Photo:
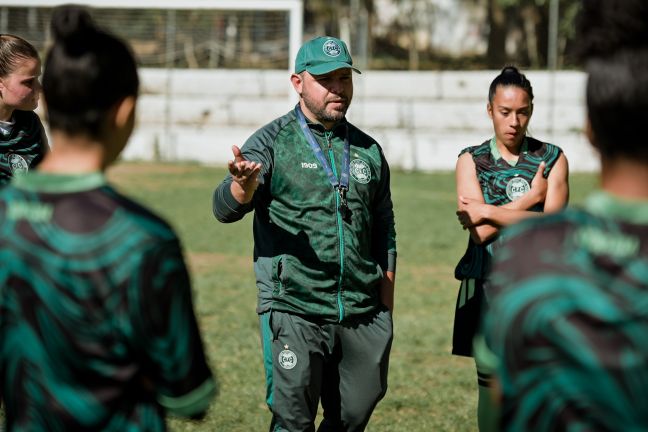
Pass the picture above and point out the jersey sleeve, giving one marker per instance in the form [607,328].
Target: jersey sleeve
[466,150]
[474,149]
[170,336]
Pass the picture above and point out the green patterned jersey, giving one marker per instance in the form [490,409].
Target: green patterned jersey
[97,329]
[22,144]
[568,319]
[502,182]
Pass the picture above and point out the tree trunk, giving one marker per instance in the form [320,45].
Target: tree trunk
[530,20]
[413,52]
[247,44]
[189,51]
[496,52]
[413,45]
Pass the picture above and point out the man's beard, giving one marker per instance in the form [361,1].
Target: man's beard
[322,115]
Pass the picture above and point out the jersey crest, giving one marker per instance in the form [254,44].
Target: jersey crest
[516,187]
[360,171]
[17,164]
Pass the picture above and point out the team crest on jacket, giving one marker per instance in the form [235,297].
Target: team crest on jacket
[517,187]
[331,48]
[360,171]
[287,359]
[18,164]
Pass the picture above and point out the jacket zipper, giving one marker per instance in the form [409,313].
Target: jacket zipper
[340,227]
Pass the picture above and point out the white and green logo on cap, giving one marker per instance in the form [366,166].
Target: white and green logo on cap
[322,55]
[331,48]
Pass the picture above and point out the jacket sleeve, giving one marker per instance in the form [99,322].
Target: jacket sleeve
[384,231]
[257,148]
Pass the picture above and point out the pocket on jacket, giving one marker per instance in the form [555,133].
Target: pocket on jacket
[294,278]
[363,274]
[278,285]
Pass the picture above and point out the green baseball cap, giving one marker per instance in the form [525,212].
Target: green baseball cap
[322,55]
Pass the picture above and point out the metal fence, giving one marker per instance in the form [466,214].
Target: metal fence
[197,38]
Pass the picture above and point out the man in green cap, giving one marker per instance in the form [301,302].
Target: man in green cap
[324,249]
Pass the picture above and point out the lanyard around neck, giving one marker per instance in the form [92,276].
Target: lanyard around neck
[343,182]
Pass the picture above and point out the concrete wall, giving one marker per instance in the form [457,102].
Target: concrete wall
[422,119]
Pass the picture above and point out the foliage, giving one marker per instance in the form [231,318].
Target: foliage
[531,18]
[516,31]
[513,31]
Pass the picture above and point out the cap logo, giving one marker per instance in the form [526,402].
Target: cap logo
[331,48]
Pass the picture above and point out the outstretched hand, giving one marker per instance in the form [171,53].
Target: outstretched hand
[244,174]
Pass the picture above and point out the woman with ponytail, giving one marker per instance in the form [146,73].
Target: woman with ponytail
[22,139]
[565,331]
[97,328]
[509,177]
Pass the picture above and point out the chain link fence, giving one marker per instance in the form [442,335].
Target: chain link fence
[181,39]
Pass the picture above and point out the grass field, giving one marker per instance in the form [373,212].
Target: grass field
[429,390]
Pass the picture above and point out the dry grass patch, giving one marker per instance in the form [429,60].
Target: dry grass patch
[205,262]
[137,169]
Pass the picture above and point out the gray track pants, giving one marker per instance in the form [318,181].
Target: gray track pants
[344,364]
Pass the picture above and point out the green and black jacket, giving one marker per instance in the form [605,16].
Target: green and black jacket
[308,259]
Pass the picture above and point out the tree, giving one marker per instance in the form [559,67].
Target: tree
[529,19]
[496,52]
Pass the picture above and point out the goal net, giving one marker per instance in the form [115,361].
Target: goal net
[212,71]
[208,34]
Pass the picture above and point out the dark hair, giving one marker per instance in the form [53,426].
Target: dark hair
[87,71]
[612,40]
[13,49]
[510,76]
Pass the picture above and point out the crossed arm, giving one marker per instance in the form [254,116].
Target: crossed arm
[485,220]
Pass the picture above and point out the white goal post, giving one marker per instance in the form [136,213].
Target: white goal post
[293,7]
[211,71]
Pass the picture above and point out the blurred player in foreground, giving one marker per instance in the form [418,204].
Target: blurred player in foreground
[568,319]
[97,329]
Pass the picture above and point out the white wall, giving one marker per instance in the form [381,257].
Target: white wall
[422,119]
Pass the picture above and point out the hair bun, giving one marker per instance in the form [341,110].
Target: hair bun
[71,24]
[510,70]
